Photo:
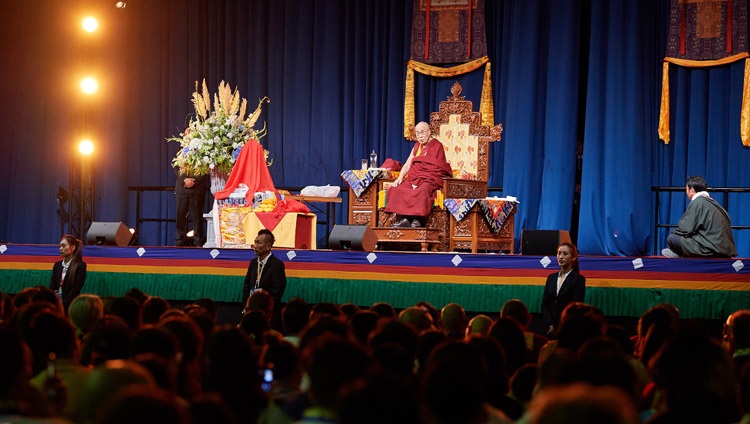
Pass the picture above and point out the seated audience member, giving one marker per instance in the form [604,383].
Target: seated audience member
[153,308]
[191,342]
[205,320]
[662,312]
[695,375]
[281,357]
[362,323]
[209,305]
[583,404]
[156,349]
[704,230]
[155,340]
[331,362]
[580,331]
[379,399]
[136,294]
[143,404]
[383,309]
[128,309]
[260,300]
[20,401]
[295,316]
[417,317]
[84,312]
[107,380]
[24,296]
[348,309]
[397,332]
[325,308]
[109,339]
[46,295]
[453,386]
[210,408]
[232,370]
[601,362]
[255,325]
[413,192]
[496,379]
[453,318]
[523,384]
[479,326]
[737,337]
[427,342]
[509,334]
[9,309]
[53,338]
[518,311]
[433,311]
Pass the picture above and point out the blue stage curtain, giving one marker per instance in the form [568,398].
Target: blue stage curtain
[537,54]
[334,71]
[622,108]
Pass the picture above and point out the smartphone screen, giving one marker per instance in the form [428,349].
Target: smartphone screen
[267,379]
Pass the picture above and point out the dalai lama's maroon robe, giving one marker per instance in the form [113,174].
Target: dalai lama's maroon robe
[426,173]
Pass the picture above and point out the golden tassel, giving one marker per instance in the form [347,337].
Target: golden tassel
[409,114]
[663,128]
[745,113]
[486,107]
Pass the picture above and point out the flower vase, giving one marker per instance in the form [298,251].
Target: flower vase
[218,180]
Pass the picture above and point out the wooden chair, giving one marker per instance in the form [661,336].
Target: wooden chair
[466,142]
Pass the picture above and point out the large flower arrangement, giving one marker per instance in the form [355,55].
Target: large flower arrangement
[213,138]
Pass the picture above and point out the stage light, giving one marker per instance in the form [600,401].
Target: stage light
[86,147]
[90,24]
[120,5]
[89,85]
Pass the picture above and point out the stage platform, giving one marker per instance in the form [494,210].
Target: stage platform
[620,286]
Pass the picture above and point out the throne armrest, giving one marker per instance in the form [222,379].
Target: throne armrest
[465,189]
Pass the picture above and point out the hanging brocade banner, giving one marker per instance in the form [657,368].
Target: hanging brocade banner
[705,33]
[448,31]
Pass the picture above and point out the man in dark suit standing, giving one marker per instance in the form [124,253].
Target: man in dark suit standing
[266,272]
[190,196]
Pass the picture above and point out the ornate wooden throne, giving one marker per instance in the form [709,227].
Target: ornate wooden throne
[466,141]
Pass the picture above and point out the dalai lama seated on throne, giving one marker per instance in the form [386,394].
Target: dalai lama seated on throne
[412,194]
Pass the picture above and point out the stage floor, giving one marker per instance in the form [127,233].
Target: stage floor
[620,286]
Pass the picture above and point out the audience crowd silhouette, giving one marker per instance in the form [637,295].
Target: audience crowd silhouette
[138,359]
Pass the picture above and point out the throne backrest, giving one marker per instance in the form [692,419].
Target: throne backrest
[461,148]
[464,137]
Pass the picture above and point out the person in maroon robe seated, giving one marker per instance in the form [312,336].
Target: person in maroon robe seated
[413,192]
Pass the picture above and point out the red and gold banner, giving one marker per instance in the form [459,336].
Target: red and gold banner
[448,31]
[705,33]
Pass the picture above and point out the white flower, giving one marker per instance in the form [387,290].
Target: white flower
[195,143]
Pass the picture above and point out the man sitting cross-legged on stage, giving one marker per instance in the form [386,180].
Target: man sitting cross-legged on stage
[704,230]
[413,192]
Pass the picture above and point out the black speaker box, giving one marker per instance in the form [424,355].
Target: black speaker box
[108,233]
[542,242]
[352,237]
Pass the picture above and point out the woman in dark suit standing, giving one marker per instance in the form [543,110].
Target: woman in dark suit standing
[69,274]
[563,287]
